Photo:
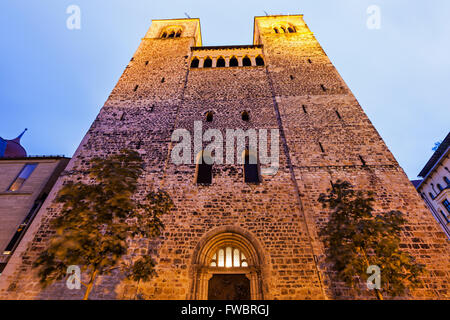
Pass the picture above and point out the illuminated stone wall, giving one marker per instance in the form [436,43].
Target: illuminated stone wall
[297,91]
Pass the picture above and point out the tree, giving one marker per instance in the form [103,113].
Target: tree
[98,217]
[356,238]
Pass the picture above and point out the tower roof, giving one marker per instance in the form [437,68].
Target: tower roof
[12,148]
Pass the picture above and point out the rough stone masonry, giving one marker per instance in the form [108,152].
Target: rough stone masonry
[273,225]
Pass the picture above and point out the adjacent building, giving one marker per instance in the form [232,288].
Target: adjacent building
[25,183]
[435,185]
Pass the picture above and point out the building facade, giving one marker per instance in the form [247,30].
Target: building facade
[25,182]
[435,185]
[237,232]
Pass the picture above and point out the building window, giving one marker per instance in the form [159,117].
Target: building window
[23,176]
[259,61]
[207,63]
[276,30]
[291,30]
[164,35]
[447,181]
[171,34]
[440,187]
[245,116]
[251,170]
[431,195]
[234,62]
[246,62]
[220,63]
[445,217]
[209,116]
[204,169]
[194,63]
[178,34]
[446,204]
[229,257]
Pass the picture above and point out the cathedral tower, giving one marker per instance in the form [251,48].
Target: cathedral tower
[238,231]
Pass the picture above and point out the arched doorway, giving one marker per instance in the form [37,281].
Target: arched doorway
[227,266]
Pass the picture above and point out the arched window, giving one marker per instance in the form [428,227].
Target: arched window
[440,187]
[447,181]
[245,116]
[194,63]
[259,61]
[246,62]
[209,116]
[234,62]
[251,170]
[291,30]
[207,63]
[164,35]
[171,34]
[283,29]
[204,169]
[431,195]
[229,257]
[220,62]
[178,34]
[276,30]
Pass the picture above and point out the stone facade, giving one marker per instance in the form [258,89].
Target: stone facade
[324,136]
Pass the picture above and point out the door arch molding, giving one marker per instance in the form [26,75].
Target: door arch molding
[235,237]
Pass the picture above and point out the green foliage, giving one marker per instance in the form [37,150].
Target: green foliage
[355,238]
[98,217]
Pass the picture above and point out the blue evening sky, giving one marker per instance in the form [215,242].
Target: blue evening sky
[54,80]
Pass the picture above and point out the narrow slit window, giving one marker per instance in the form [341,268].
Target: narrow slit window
[146,63]
[245,116]
[164,35]
[323,87]
[338,114]
[178,34]
[304,109]
[276,30]
[136,87]
[163,80]
[321,147]
[309,60]
[209,116]
[24,174]
[292,77]
[362,160]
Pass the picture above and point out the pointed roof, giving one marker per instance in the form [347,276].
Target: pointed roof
[12,148]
